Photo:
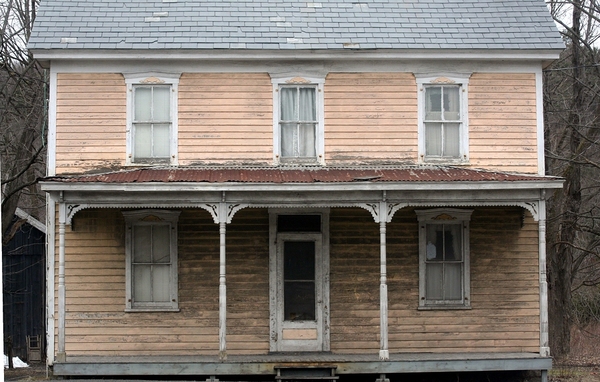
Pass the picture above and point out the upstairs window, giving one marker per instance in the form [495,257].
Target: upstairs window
[444,258]
[152,120]
[443,130]
[298,121]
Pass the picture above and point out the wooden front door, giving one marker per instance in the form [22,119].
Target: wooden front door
[299,289]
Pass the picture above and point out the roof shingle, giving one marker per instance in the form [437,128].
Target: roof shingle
[287,24]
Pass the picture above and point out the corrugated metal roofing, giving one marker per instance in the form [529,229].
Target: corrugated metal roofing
[287,24]
[306,175]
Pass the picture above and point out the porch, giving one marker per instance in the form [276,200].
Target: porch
[266,365]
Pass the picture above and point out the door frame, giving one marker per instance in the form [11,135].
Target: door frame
[277,325]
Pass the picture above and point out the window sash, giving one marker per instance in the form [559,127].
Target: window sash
[298,121]
[152,122]
[444,263]
[442,121]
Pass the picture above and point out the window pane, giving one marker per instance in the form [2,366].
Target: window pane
[299,280]
[452,281]
[161,141]
[161,244]
[143,141]
[299,301]
[308,107]
[299,223]
[162,104]
[160,283]
[433,103]
[142,291]
[288,133]
[299,260]
[142,104]
[451,103]
[142,252]
[288,104]
[433,281]
[433,139]
[435,242]
[451,140]
[452,242]
[306,140]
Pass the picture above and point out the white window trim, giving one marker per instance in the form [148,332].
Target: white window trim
[444,79]
[156,216]
[444,216]
[317,82]
[153,79]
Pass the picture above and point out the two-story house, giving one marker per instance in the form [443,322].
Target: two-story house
[287,189]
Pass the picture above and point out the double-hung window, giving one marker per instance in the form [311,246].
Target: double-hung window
[443,130]
[444,258]
[151,252]
[152,120]
[298,120]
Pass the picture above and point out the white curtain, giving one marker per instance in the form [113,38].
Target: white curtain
[298,121]
[444,264]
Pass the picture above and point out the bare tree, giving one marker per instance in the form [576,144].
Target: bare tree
[22,112]
[572,107]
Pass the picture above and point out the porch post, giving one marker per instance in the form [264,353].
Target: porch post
[384,353]
[62,218]
[222,283]
[544,346]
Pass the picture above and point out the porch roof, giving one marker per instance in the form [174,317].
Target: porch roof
[301,175]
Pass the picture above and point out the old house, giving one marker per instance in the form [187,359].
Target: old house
[296,189]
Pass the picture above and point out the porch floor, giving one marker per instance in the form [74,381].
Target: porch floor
[267,363]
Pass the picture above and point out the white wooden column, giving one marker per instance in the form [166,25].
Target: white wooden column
[544,346]
[62,218]
[222,216]
[384,353]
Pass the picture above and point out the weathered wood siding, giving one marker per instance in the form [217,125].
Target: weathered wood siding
[225,118]
[504,287]
[91,115]
[503,121]
[370,117]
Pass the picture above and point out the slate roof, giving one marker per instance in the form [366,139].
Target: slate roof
[294,25]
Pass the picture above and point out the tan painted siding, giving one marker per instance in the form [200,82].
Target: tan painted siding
[90,122]
[503,121]
[370,117]
[504,289]
[354,286]
[225,118]
[96,323]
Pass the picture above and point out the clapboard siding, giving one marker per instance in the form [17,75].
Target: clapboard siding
[354,281]
[503,121]
[225,118]
[370,117]
[91,114]
[504,289]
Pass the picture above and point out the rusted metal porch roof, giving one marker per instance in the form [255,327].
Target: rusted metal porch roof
[265,175]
